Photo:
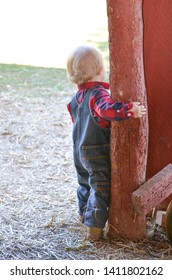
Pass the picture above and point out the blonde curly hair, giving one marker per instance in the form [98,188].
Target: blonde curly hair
[83,64]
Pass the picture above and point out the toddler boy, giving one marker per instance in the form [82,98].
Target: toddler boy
[92,110]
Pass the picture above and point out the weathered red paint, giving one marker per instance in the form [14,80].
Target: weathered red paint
[158,73]
[153,191]
[129,138]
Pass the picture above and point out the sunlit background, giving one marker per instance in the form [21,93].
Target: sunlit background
[42,32]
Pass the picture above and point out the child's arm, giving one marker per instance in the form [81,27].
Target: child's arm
[105,107]
[70,111]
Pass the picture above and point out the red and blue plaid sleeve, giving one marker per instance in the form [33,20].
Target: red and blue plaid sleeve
[104,109]
[70,111]
[103,106]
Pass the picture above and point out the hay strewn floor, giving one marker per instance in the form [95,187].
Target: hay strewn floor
[38,185]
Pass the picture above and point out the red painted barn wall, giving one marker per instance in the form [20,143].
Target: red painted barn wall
[157,16]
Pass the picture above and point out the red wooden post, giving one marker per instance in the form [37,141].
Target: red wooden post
[129,138]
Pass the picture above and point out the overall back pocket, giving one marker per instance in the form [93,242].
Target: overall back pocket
[96,157]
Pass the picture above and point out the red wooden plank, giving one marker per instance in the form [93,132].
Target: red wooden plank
[153,192]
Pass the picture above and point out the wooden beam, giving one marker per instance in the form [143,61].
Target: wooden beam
[153,192]
[129,139]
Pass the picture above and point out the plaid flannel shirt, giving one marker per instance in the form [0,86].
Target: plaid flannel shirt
[104,109]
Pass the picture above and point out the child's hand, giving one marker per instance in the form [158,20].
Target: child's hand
[138,110]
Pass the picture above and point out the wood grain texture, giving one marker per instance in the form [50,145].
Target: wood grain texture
[128,138]
[153,191]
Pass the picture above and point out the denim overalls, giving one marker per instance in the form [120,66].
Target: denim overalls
[92,161]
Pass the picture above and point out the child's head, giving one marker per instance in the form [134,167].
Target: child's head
[84,64]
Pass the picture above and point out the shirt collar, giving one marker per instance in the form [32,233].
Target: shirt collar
[91,84]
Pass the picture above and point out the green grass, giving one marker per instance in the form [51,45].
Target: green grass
[26,78]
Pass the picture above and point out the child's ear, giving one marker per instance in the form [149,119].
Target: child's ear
[99,70]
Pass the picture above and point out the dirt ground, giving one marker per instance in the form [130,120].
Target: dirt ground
[38,184]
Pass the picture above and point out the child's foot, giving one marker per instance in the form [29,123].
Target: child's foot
[94,234]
